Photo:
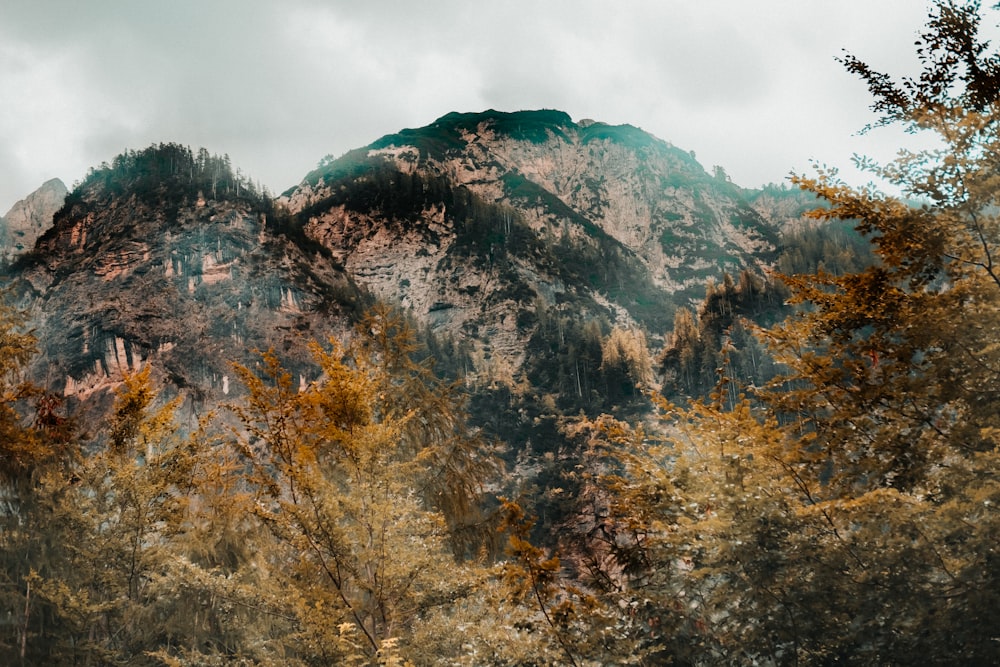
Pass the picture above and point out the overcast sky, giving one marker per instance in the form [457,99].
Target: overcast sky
[752,86]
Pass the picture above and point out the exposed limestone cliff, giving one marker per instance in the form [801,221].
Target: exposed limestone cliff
[29,218]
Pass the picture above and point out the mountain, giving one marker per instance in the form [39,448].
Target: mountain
[519,243]
[29,218]
[143,264]
[480,221]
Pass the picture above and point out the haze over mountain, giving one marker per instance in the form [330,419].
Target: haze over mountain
[753,87]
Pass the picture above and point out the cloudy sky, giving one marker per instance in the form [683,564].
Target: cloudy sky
[751,86]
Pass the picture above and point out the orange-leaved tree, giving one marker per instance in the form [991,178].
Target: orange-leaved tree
[849,511]
[372,487]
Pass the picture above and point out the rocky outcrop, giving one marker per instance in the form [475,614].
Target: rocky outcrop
[121,281]
[30,218]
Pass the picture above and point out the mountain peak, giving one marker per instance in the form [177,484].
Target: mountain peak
[480,221]
[451,131]
[29,218]
[519,124]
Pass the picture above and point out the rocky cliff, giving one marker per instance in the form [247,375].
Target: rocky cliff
[477,221]
[150,268]
[29,218]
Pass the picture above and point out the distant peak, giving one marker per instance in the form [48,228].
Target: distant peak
[21,226]
[51,189]
[54,184]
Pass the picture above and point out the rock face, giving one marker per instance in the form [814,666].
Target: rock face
[479,220]
[29,218]
[161,275]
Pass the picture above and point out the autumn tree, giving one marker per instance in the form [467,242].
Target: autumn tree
[676,529]
[36,447]
[371,486]
[625,363]
[848,513]
[896,368]
[116,516]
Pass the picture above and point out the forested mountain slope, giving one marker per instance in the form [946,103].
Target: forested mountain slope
[519,243]
[167,258]
[479,220]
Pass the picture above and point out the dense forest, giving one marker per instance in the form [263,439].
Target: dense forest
[816,485]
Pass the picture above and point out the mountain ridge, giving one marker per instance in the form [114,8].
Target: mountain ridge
[505,236]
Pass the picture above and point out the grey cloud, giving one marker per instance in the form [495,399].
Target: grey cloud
[278,85]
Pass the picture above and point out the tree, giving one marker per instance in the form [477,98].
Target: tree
[681,360]
[29,445]
[152,551]
[907,346]
[852,515]
[36,447]
[625,362]
[111,518]
[678,530]
[371,486]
